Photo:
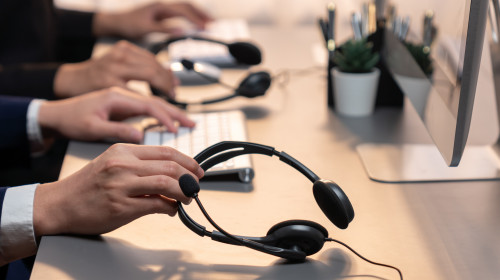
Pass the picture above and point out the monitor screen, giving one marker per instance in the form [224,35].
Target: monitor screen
[436,65]
[434,57]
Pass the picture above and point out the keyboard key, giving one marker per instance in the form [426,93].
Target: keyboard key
[210,129]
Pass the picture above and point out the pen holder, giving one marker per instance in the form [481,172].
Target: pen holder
[388,92]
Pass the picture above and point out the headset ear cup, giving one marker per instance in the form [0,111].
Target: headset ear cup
[333,202]
[305,236]
[245,53]
[254,85]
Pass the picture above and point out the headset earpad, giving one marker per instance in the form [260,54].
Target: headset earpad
[305,236]
[333,202]
[245,53]
[254,85]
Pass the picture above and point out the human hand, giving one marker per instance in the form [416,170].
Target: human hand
[96,115]
[122,184]
[122,63]
[138,22]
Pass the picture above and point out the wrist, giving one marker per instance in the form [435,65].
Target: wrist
[68,79]
[106,24]
[48,117]
[48,210]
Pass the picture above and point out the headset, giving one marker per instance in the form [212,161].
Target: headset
[293,240]
[243,52]
[254,85]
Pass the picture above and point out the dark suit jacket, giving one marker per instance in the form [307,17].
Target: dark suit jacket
[35,38]
[14,146]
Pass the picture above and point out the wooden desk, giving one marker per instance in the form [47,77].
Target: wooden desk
[429,231]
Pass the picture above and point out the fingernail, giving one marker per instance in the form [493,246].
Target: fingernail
[136,135]
[200,172]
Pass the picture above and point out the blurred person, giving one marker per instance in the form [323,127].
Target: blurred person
[45,51]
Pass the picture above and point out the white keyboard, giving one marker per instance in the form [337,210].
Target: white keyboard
[210,128]
[226,30]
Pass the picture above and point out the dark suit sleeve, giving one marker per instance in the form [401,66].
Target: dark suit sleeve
[75,24]
[28,63]
[76,40]
[14,145]
[33,80]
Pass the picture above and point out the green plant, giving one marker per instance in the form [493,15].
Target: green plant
[356,56]
[421,54]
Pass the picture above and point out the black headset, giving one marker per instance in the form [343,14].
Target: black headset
[243,52]
[254,85]
[292,239]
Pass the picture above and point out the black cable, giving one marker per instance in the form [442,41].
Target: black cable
[282,77]
[214,224]
[365,259]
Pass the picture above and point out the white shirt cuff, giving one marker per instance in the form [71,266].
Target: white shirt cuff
[33,127]
[17,236]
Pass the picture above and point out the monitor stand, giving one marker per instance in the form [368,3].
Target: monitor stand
[412,163]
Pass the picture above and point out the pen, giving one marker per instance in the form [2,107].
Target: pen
[396,26]
[380,8]
[356,26]
[429,16]
[324,29]
[331,29]
[364,19]
[495,14]
[405,25]
[493,23]
[391,15]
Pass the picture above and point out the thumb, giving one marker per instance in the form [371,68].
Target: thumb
[118,131]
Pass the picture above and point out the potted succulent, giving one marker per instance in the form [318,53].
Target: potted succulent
[417,84]
[421,54]
[355,78]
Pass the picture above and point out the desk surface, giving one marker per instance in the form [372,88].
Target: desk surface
[429,231]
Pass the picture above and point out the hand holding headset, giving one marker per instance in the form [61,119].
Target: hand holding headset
[293,239]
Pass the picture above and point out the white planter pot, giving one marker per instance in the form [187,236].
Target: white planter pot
[355,93]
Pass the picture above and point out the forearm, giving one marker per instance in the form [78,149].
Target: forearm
[105,25]
[72,79]
[49,117]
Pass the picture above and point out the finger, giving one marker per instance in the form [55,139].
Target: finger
[144,152]
[134,63]
[157,185]
[116,130]
[148,70]
[175,113]
[172,168]
[186,10]
[153,204]
[126,103]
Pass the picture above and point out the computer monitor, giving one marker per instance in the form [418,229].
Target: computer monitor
[442,91]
